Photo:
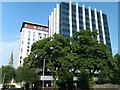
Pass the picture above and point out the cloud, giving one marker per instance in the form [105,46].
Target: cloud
[7,48]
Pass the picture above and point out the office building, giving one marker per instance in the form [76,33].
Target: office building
[68,18]
[30,33]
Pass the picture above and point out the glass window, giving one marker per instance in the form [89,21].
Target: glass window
[20,57]
[22,42]
[27,50]
[40,37]
[28,46]
[28,42]
[21,50]
[28,39]
[80,9]
[86,11]
[44,34]
[28,35]
[33,36]
[29,32]
[39,33]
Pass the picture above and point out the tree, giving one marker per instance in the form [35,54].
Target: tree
[8,73]
[65,56]
[26,74]
[53,50]
[116,71]
[93,56]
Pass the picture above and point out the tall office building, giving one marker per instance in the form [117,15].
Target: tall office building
[30,33]
[68,18]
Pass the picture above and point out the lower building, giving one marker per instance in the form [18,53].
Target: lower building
[30,33]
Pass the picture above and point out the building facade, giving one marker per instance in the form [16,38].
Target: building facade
[30,33]
[68,18]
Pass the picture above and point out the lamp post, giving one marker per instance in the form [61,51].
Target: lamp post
[43,73]
[4,80]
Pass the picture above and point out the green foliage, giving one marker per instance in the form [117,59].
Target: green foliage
[116,71]
[103,77]
[25,74]
[8,73]
[93,56]
[84,79]
[64,56]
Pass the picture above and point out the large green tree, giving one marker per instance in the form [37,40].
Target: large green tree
[116,71]
[8,73]
[66,57]
[26,74]
[52,50]
[93,56]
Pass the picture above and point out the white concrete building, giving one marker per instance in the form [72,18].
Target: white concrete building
[30,33]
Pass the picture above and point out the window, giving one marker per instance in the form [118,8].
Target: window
[21,50]
[20,61]
[33,36]
[80,9]
[39,33]
[29,35]
[28,46]
[22,42]
[20,57]
[27,50]
[86,11]
[44,34]
[40,37]
[28,32]
[34,33]
[28,42]
[28,39]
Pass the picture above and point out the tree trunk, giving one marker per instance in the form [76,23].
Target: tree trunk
[55,87]
[30,86]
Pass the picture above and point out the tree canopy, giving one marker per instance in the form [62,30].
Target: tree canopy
[26,74]
[8,73]
[66,57]
[116,71]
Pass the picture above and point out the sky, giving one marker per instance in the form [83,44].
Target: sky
[14,13]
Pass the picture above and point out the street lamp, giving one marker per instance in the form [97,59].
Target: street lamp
[43,73]
[4,80]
